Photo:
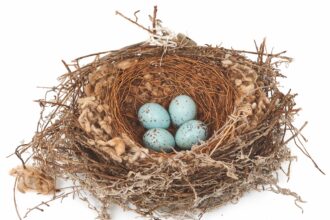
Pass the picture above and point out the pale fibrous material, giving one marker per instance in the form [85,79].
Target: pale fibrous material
[31,179]
[92,135]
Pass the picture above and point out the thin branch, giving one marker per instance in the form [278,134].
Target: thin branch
[296,134]
[154,20]
[44,102]
[134,22]
[302,147]
[37,207]
[19,154]
[277,55]
[66,66]
[15,202]
[92,54]
[261,52]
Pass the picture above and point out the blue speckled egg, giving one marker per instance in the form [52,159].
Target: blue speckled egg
[182,109]
[153,115]
[190,133]
[159,139]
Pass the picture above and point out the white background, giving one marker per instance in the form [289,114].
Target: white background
[36,35]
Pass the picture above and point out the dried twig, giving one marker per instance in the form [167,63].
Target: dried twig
[134,22]
[154,20]
[46,203]
[15,202]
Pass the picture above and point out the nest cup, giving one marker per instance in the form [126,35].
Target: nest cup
[93,136]
[157,78]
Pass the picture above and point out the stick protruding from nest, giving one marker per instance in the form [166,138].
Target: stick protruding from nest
[159,35]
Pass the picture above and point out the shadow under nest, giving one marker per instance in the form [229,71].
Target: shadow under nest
[90,132]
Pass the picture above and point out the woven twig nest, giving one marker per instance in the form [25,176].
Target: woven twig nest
[89,130]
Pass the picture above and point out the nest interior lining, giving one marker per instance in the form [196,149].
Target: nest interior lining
[155,79]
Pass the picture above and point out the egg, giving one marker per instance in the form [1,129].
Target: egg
[153,115]
[190,133]
[159,139]
[182,109]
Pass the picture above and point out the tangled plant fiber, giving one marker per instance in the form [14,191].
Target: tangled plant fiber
[89,133]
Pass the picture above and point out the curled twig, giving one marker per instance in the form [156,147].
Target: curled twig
[134,22]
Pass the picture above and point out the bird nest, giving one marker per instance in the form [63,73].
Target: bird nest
[89,130]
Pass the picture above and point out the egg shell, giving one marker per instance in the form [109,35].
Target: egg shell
[153,115]
[182,109]
[159,139]
[190,133]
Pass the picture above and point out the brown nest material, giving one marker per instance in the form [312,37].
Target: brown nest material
[89,131]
